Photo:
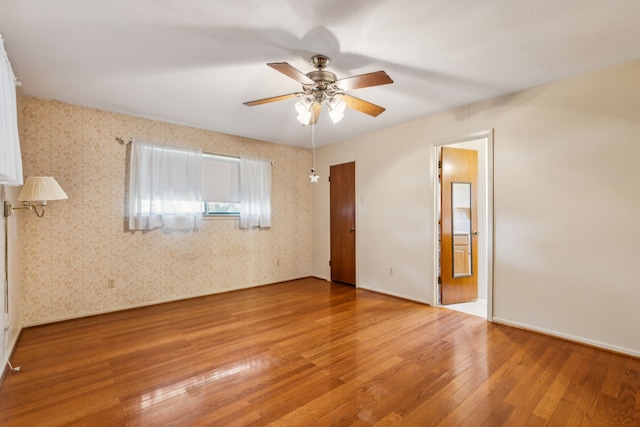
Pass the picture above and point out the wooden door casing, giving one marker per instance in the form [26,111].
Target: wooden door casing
[342,202]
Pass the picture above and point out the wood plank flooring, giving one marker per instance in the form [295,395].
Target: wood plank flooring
[310,352]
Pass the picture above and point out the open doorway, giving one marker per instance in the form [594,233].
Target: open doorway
[448,273]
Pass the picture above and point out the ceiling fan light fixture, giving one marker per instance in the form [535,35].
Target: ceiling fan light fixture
[304,118]
[303,107]
[336,109]
[336,116]
[323,87]
[337,104]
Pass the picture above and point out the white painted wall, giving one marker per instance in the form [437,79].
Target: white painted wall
[566,203]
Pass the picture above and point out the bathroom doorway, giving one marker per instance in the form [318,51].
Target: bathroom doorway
[465,244]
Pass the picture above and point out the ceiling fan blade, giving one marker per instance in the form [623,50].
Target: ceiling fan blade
[292,72]
[272,99]
[315,113]
[364,80]
[362,106]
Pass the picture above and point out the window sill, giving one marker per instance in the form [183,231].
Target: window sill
[223,216]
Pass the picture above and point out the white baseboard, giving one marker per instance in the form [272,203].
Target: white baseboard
[395,294]
[568,337]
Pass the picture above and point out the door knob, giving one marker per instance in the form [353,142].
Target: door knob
[475,232]
[352,230]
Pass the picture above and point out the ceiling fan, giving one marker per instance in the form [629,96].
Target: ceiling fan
[322,87]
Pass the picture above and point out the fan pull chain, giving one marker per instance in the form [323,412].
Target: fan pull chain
[313,176]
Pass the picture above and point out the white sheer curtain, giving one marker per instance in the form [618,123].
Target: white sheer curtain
[10,157]
[164,187]
[255,193]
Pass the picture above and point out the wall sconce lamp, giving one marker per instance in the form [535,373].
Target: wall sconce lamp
[35,193]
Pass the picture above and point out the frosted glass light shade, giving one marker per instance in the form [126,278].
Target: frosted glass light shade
[303,107]
[336,116]
[337,105]
[41,188]
[336,109]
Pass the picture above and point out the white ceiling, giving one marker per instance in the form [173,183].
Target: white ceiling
[196,61]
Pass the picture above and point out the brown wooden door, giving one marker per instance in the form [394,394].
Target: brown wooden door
[459,225]
[342,199]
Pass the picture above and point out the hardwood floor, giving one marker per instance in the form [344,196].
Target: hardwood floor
[310,352]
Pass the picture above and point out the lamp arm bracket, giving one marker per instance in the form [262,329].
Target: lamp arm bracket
[9,208]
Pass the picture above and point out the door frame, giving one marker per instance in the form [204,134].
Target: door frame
[487,136]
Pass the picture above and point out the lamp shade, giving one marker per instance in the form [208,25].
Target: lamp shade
[41,188]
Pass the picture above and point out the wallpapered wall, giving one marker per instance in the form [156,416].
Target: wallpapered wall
[69,255]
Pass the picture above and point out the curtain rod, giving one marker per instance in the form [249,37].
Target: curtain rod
[123,141]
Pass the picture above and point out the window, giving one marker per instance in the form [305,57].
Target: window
[220,185]
[173,188]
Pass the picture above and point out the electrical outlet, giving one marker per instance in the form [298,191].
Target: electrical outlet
[391,271]
[111,284]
